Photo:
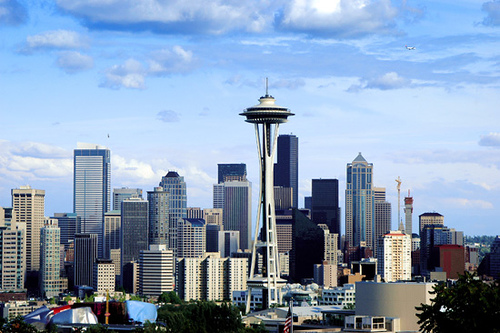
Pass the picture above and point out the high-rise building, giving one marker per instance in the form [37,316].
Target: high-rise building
[408,214]
[176,187]
[431,236]
[194,213]
[212,237]
[331,246]
[29,210]
[104,277]
[120,194]
[134,230]
[237,210]
[51,283]
[432,218]
[191,238]
[266,117]
[112,232]
[325,203]
[92,188]
[68,224]
[308,246]
[156,270]
[230,172]
[12,253]
[210,277]
[286,173]
[213,216]
[229,242]
[283,197]
[394,256]
[85,256]
[359,203]
[382,216]
[158,216]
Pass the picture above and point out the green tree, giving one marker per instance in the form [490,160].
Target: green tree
[470,305]
[17,325]
[170,297]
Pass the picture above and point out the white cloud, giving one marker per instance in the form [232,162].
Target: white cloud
[73,62]
[132,171]
[28,161]
[197,16]
[129,75]
[468,203]
[177,60]
[55,39]
[387,81]
[491,140]
[343,18]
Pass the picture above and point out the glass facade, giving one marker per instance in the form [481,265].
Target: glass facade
[359,203]
[92,189]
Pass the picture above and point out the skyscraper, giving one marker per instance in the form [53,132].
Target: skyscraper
[408,214]
[382,216]
[158,216]
[237,211]
[120,194]
[286,171]
[85,257]
[156,270]
[432,218]
[191,238]
[394,256]
[325,203]
[134,229]
[233,171]
[177,203]
[112,232]
[359,202]
[29,211]
[92,188]
[51,283]
[12,253]
[68,224]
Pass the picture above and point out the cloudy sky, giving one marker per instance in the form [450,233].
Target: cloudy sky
[167,79]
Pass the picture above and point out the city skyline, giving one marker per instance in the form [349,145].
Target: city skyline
[428,115]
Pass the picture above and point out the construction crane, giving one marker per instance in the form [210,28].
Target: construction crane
[399,201]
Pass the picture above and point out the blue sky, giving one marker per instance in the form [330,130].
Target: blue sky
[167,79]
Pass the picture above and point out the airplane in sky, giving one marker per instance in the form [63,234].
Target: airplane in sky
[410,47]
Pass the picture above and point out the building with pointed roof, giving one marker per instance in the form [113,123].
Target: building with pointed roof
[359,203]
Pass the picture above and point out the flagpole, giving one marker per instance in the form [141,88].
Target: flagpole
[291,310]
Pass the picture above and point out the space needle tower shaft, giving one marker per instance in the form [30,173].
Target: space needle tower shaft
[266,116]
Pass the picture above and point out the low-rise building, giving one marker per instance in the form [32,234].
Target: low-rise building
[344,296]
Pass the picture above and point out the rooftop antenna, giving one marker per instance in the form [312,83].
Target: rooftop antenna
[267,87]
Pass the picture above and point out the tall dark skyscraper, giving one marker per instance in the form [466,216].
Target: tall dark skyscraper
[286,171]
[325,203]
[85,256]
[134,230]
[228,172]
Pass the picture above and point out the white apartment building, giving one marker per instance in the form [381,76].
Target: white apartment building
[341,296]
[210,277]
[104,276]
[394,256]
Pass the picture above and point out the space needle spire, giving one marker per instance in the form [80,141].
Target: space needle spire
[266,116]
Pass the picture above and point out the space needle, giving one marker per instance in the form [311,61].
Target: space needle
[269,115]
